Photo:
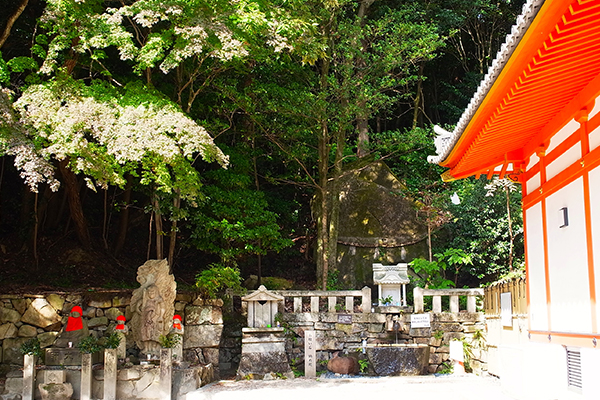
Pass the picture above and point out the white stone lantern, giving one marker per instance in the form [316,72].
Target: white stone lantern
[262,307]
[391,281]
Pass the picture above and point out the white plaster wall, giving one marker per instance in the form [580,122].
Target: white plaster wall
[534,371]
[567,261]
[594,137]
[590,371]
[562,134]
[594,177]
[532,161]
[596,108]
[535,266]
[565,160]
[533,183]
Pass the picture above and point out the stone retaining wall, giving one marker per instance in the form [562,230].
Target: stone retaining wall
[23,317]
[334,333]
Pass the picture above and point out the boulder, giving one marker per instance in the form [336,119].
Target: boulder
[343,365]
[9,315]
[41,314]
[8,330]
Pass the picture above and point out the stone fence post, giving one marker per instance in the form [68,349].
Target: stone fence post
[86,376]
[28,376]
[418,299]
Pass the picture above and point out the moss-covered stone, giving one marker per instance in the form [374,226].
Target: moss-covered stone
[378,224]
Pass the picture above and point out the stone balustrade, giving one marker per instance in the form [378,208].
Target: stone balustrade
[337,300]
[454,294]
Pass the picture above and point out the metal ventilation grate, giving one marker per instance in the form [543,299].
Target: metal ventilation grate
[574,369]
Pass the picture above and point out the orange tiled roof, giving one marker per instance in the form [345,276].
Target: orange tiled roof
[537,83]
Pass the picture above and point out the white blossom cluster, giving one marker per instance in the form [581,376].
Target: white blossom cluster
[15,141]
[96,134]
[186,35]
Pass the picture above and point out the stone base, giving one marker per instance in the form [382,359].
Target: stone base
[263,354]
[56,391]
[399,360]
[69,356]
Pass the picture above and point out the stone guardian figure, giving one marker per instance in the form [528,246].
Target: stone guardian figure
[152,305]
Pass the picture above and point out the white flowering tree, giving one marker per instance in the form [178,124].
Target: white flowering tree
[104,133]
[108,132]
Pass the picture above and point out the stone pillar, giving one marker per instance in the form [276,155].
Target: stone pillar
[166,367]
[110,374]
[454,307]
[86,376]
[310,354]
[418,299]
[28,376]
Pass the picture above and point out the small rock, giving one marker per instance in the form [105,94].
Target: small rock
[28,331]
[97,322]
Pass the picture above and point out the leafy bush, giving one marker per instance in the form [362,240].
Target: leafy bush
[89,345]
[169,341]
[213,281]
[32,347]
[112,341]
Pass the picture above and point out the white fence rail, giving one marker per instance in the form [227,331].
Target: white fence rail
[419,294]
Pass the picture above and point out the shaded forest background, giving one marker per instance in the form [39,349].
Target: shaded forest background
[292,92]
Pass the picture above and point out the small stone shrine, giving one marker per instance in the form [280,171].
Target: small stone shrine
[152,305]
[263,343]
[65,351]
[391,281]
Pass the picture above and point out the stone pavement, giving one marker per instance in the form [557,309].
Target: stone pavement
[466,387]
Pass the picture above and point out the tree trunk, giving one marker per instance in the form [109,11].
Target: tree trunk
[158,227]
[418,98]
[75,206]
[173,236]
[11,20]
[124,216]
[362,126]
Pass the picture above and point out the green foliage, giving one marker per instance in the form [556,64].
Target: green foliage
[32,347]
[89,345]
[112,341]
[333,281]
[274,283]
[213,281]
[386,300]
[170,340]
[363,365]
[438,334]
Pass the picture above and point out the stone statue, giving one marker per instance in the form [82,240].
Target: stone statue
[75,330]
[152,305]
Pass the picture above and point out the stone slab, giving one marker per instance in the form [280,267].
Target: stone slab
[202,336]
[199,315]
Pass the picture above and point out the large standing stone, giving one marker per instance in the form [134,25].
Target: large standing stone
[152,305]
[40,313]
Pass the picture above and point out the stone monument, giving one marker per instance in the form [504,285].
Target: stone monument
[263,344]
[152,305]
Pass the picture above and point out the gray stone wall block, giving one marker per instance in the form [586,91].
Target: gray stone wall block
[199,315]
[9,315]
[8,330]
[202,336]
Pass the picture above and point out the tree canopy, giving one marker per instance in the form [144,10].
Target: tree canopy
[225,126]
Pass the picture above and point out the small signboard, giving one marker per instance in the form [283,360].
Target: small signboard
[310,354]
[506,309]
[344,319]
[420,321]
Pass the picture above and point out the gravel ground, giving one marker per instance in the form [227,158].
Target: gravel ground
[466,387]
